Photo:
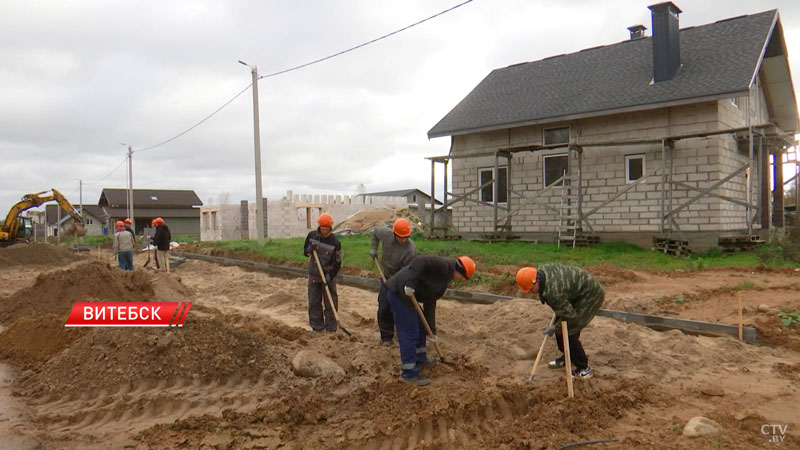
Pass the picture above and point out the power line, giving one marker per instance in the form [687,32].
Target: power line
[297,68]
[198,123]
[109,173]
[365,43]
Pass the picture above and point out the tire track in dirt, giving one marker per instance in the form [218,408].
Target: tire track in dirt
[142,404]
[453,429]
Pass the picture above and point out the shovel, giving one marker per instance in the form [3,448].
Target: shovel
[328,292]
[148,259]
[539,355]
[431,336]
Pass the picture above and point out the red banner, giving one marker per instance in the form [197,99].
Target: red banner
[128,314]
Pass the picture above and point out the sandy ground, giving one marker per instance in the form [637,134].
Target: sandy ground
[224,380]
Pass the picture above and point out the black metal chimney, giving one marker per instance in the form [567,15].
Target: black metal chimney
[637,31]
[666,41]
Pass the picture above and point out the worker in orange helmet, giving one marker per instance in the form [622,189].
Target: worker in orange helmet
[398,251]
[123,246]
[161,240]
[129,226]
[426,278]
[575,296]
[329,251]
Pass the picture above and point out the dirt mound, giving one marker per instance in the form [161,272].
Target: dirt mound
[610,275]
[29,341]
[772,331]
[56,292]
[368,219]
[35,254]
[204,348]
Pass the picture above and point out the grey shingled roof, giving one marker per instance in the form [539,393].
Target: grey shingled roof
[150,198]
[717,58]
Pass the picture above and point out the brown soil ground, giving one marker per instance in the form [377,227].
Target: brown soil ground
[223,381]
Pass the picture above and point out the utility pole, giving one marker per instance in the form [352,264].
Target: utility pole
[80,200]
[257,144]
[130,184]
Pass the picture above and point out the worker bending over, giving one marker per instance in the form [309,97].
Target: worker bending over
[426,278]
[329,250]
[398,251]
[575,296]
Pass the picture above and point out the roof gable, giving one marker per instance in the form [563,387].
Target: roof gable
[718,60]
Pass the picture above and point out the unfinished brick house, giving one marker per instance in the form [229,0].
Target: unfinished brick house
[668,135]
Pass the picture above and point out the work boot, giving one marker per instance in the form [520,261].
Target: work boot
[428,362]
[583,374]
[386,343]
[416,381]
[557,363]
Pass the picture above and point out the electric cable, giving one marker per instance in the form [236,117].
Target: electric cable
[365,43]
[109,173]
[197,124]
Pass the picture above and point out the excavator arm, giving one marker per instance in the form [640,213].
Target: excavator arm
[10,227]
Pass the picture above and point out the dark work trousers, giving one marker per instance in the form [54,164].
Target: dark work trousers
[318,302]
[410,335]
[125,259]
[576,353]
[385,316]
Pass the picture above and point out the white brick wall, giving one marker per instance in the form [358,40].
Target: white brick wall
[698,162]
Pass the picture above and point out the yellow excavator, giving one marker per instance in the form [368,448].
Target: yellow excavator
[17,229]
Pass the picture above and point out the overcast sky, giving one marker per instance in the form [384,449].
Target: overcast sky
[78,78]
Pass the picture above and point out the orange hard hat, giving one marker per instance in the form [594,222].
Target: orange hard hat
[469,266]
[526,277]
[402,228]
[128,220]
[158,221]
[119,224]
[325,220]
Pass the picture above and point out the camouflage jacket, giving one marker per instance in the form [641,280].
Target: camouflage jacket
[574,295]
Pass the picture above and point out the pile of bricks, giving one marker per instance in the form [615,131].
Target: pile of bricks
[740,243]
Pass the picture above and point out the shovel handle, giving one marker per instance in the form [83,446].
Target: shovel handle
[539,355]
[329,297]
[427,327]
[380,271]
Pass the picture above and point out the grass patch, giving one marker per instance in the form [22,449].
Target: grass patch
[355,252]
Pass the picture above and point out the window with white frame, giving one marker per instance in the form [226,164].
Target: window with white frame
[735,101]
[634,168]
[553,136]
[554,168]
[487,192]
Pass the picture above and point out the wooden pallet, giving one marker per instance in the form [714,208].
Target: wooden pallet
[675,247]
[499,237]
[581,240]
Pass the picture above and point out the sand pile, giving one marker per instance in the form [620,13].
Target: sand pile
[31,341]
[56,292]
[368,219]
[204,348]
[35,254]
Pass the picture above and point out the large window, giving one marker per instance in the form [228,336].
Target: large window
[634,168]
[554,168]
[487,192]
[554,136]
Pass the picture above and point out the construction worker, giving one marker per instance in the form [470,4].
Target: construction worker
[128,224]
[123,246]
[426,278]
[398,251]
[161,240]
[329,251]
[575,296]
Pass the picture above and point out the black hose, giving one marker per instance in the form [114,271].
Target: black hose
[579,444]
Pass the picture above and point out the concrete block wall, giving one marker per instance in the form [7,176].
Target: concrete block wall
[287,217]
[698,162]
